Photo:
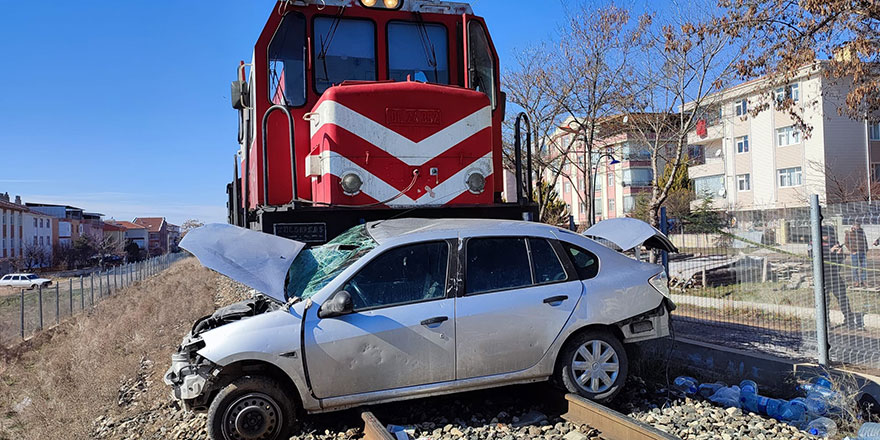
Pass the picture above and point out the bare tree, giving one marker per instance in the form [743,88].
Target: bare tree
[189,225]
[686,61]
[784,36]
[34,256]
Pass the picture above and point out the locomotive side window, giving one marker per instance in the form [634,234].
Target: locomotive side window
[345,49]
[481,64]
[287,66]
[419,50]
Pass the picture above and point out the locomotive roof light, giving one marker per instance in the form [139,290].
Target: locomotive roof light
[351,183]
[384,4]
[476,183]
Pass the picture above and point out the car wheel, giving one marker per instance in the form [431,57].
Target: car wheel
[251,407]
[594,365]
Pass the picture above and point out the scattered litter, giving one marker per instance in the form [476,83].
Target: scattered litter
[20,406]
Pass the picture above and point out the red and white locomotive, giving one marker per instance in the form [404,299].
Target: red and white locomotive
[360,110]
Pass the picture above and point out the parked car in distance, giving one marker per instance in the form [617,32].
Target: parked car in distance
[409,308]
[24,280]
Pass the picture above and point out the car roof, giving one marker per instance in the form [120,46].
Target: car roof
[385,230]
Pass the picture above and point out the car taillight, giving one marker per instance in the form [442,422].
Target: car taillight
[661,283]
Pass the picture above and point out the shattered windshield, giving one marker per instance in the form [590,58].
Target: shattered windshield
[313,268]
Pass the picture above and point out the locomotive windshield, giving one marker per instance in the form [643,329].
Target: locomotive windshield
[345,49]
[287,66]
[418,50]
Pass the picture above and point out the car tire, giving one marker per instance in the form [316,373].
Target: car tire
[251,407]
[578,371]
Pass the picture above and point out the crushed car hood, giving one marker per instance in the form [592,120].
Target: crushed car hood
[255,259]
[628,233]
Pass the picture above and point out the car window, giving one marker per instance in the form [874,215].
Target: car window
[548,269]
[495,264]
[6,278]
[402,275]
[585,262]
[15,278]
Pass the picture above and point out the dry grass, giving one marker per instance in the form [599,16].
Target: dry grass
[72,373]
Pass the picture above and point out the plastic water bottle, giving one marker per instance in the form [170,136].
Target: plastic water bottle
[685,384]
[869,431]
[748,386]
[775,408]
[823,426]
[708,389]
[727,397]
[795,411]
[816,405]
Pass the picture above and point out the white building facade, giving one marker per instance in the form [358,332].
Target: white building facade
[765,161]
[38,238]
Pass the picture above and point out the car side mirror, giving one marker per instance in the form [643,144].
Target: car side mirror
[339,304]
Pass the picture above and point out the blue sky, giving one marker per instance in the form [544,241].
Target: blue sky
[122,107]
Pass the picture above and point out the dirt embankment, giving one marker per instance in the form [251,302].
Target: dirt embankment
[105,367]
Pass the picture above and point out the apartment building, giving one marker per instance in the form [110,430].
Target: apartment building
[158,233]
[66,221]
[134,233]
[11,227]
[115,233]
[37,236]
[621,168]
[765,161]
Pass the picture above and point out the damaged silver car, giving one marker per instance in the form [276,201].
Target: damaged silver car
[408,308]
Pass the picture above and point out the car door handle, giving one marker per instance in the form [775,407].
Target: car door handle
[434,320]
[555,299]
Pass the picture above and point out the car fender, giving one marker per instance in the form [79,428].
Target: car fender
[272,337]
[611,297]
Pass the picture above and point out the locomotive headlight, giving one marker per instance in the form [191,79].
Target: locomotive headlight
[369,3]
[476,183]
[351,184]
[391,4]
[385,4]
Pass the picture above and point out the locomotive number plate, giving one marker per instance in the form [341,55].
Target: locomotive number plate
[304,232]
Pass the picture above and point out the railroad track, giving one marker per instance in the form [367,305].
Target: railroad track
[611,424]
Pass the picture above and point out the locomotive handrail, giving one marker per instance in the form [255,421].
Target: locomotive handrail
[284,109]
[517,152]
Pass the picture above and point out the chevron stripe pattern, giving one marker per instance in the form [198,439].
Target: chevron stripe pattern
[384,154]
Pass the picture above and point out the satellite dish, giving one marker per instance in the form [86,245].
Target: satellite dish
[718,153]
[722,192]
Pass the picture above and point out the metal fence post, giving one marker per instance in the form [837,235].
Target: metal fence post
[819,280]
[40,304]
[92,287]
[22,313]
[57,304]
[70,293]
[664,228]
[100,286]
[82,294]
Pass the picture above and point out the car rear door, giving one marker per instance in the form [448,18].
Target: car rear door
[517,296]
[402,331]
[16,281]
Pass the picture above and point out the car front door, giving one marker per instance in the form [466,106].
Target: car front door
[516,300]
[16,281]
[402,330]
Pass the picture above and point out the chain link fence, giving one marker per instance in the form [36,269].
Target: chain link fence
[749,283]
[28,312]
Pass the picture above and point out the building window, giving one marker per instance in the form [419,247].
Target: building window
[789,177]
[41,241]
[35,240]
[35,222]
[741,107]
[637,177]
[708,186]
[629,203]
[742,144]
[566,188]
[787,136]
[744,182]
[875,172]
[599,206]
[874,128]
[787,92]
[611,180]
[611,207]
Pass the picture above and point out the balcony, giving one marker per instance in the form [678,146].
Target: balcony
[713,132]
[712,166]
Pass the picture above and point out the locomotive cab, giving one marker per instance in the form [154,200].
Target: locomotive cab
[360,110]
